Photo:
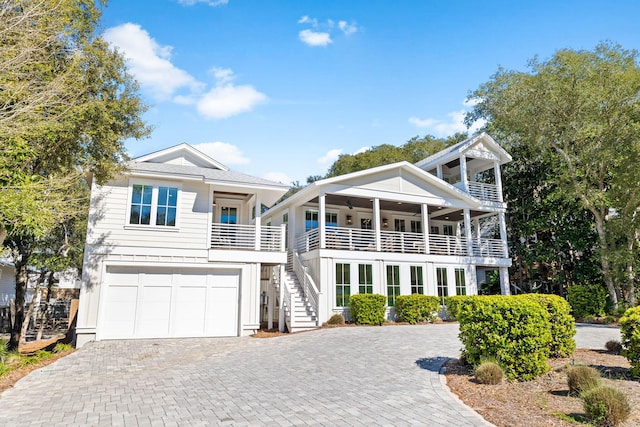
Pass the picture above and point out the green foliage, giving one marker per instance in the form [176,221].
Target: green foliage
[606,406]
[416,308]
[4,352]
[454,303]
[582,378]
[613,346]
[587,300]
[63,348]
[367,309]
[336,319]
[630,330]
[562,324]
[515,331]
[489,373]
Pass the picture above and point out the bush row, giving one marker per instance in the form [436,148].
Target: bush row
[369,309]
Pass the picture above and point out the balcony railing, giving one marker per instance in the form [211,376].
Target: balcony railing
[342,238]
[240,236]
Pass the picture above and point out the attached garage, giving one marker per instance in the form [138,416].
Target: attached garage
[169,302]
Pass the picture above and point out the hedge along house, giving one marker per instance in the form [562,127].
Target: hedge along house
[176,248]
[434,228]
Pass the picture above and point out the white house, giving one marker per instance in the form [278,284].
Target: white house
[175,248]
[7,282]
[181,246]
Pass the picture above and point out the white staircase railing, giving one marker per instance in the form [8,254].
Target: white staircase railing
[287,306]
[311,292]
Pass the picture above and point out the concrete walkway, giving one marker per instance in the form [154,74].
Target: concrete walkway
[333,377]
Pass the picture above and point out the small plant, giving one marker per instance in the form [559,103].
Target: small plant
[582,378]
[609,319]
[336,319]
[606,406]
[4,352]
[416,308]
[489,373]
[368,309]
[630,330]
[613,346]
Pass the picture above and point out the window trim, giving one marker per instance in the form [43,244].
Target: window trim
[367,270]
[396,285]
[154,205]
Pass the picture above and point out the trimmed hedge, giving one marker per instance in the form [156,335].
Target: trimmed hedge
[562,324]
[630,330]
[368,309]
[513,330]
[587,300]
[416,308]
[453,304]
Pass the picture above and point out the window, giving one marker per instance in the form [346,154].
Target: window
[441,280]
[399,224]
[343,284]
[447,230]
[228,215]
[310,220]
[461,287]
[285,218]
[434,229]
[393,284]
[417,285]
[365,278]
[365,223]
[416,226]
[153,205]
[331,219]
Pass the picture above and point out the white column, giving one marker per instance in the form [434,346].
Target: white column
[467,230]
[210,212]
[425,227]
[283,234]
[376,222]
[463,172]
[281,300]
[505,289]
[258,221]
[476,227]
[322,220]
[503,233]
[498,177]
[271,295]
[439,171]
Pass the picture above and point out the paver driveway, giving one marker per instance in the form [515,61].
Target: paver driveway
[345,376]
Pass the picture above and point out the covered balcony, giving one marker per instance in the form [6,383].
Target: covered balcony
[248,237]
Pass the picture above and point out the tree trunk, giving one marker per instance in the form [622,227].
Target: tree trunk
[21,258]
[604,261]
[32,307]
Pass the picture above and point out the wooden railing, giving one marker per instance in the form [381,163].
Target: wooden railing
[240,236]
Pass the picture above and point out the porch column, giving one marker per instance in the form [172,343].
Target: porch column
[283,234]
[439,171]
[376,222]
[476,227]
[498,177]
[505,289]
[211,212]
[271,295]
[258,222]
[503,234]
[425,227]
[281,300]
[463,173]
[467,230]
[322,221]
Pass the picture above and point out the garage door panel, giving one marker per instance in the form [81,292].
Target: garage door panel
[222,308]
[155,278]
[121,311]
[155,311]
[190,311]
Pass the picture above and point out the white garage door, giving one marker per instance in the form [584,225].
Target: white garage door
[158,303]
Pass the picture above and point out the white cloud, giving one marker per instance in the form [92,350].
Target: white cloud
[454,122]
[222,75]
[228,100]
[209,2]
[227,154]
[314,38]
[278,177]
[306,20]
[149,62]
[347,28]
[331,156]
[362,150]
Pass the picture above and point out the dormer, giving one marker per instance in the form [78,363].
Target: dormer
[183,155]
[472,166]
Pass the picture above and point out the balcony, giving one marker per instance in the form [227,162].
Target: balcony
[481,191]
[247,237]
[350,239]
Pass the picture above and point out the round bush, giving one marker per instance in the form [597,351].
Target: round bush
[606,406]
[368,309]
[561,324]
[489,373]
[582,378]
[630,330]
[587,300]
[336,319]
[613,346]
[416,308]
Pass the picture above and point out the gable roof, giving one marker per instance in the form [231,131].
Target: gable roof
[182,151]
[455,151]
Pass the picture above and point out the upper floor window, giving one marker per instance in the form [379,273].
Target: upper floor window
[153,205]
[416,226]
[447,230]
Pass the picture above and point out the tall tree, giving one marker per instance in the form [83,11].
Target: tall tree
[581,110]
[67,104]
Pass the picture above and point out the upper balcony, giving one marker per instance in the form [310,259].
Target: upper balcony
[247,243]
[481,190]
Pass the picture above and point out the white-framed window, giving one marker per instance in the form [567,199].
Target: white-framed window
[441,282]
[447,230]
[416,226]
[153,205]
[417,282]
[398,225]
[365,278]
[343,284]
[393,284]
[434,229]
[461,285]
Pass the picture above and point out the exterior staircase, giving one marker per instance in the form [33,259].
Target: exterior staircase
[300,316]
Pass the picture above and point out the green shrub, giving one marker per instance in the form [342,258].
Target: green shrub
[367,309]
[513,330]
[613,346]
[562,324]
[606,406]
[630,330]
[453,304]
[587,300]
[582,378]
[416,308]
[336,319]
[489,373]
[4,349]
[62,348]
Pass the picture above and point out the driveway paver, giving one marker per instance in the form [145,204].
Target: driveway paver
[357,376]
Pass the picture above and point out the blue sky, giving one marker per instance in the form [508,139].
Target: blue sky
[278,89]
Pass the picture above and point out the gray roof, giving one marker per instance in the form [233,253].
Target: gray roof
[460,147]
[203,173]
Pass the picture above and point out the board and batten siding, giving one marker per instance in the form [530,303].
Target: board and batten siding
[7,284]
[108,224]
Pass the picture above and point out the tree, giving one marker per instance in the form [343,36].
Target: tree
[581,111]
[67,104]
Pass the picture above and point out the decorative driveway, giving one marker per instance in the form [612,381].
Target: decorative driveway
[353,376]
